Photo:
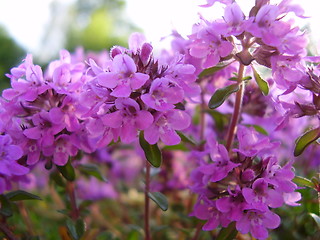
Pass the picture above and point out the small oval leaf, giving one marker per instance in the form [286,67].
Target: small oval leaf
[159,199]
[151,152]
[222,94]
[91,170]
[21,195]
[303,182]
[67,171]
[262,84]
[212,70]
[316,219]
[72,229]
[305,140]
[6,208]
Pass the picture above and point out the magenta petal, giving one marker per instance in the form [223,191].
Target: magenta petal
[200,51]
[225,48]
[138,80]
[248,194]
[271,220]
[10,93]
[178,119]
[33,157]
[56,115]
[152,134]
[202,211]
[5,168]
[122,63]
[32,133]
[223,204]
[108,79]
[121,90]
[60,158]
[259,232]
[211,60]
[243,225]
[211,224]
[143,120]
[275,198]
[128,133]
[148,100]
[113,120]
[18,169]
[14,152]
[170,137]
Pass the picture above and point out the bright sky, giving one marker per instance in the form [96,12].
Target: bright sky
[26,19]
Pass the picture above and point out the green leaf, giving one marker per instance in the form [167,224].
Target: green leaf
[159,199]
[258,128]
[21,195]
[56,177]
[72,229]
[228,233]
[186,139]
[80,227]
[6,208]
[316,219]
[151,152]
[212,70]
[178,147]
[92,170]
[303,182]
[63,211]
[305,140]
[262,84]
[222,94]
[67,171]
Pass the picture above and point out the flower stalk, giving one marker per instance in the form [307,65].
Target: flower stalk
[237,110]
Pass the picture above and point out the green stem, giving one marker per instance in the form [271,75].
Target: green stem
[237,110]
[147,203]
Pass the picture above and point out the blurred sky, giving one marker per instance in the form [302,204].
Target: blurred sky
[26,20]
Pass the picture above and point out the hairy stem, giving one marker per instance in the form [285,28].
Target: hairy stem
[72,196]
[236,111]
[147,203]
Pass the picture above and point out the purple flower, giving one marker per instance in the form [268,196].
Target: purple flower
[128,119]
[26,81]
[206,210]
[251,143]
[234,21]
[232,205]
[61,150]
[208,45]
[260,196]
[46,125]
[10,153]
[221,165]
[123,78]
[163,95]
[164,126]
[279,177]
[257,222]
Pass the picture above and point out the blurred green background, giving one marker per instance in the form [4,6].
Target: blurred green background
[93,24]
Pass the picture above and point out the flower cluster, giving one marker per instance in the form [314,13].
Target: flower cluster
[243,188]
[133,92]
